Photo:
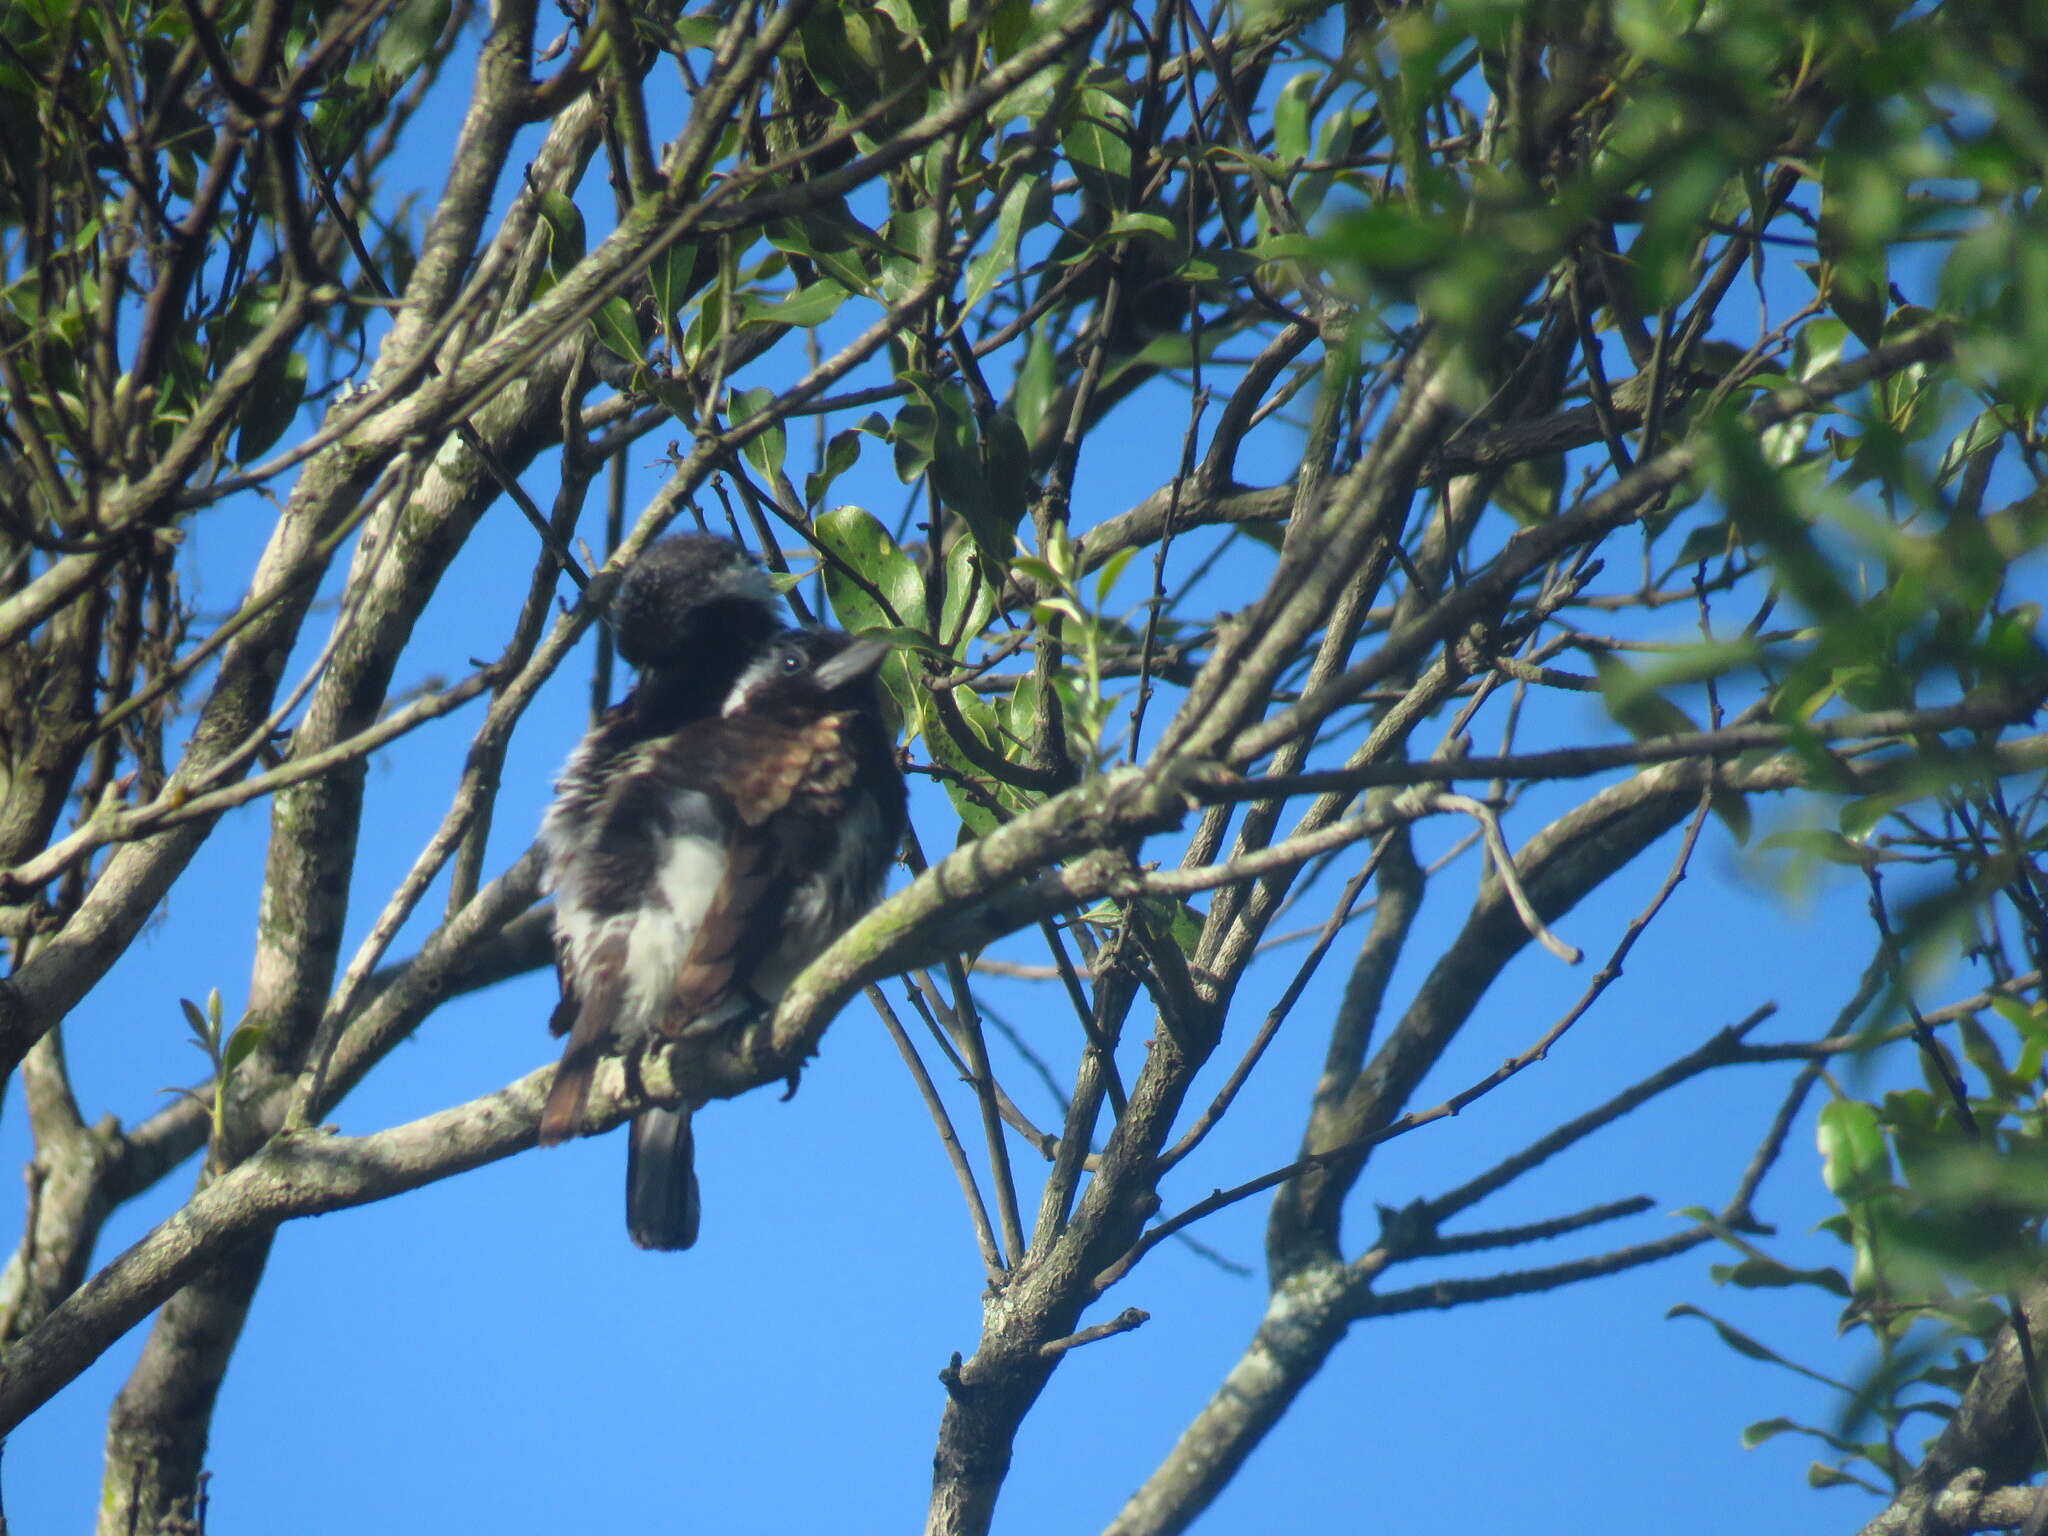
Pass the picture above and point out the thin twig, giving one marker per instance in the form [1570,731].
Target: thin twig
[1580,762]
[976,1047]
[1339,915]
[173,807]
[977,1209]
[1511,882]
[1153,607]
[924,997]
[1123,1322]
[1529,1232]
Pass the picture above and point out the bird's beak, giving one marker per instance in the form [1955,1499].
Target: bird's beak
[856,661]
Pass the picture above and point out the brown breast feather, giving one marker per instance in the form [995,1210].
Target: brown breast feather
[758,767]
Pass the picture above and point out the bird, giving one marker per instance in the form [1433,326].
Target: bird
[691,614]
[709,838]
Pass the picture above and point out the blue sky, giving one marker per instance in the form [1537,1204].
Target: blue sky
[493,1353]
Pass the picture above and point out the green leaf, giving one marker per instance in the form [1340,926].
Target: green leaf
[1010,26]
[1635,703]
[1852,270]
[766,448]
[674,277]
[1025,203]
[911,434]
[1127,226]
[1731,807]
[1819,345]
[987,482]
[1530,490]
[808,306]
[1288,247]
[1982,1052]
[1020,711]
[700,31]
[856,545]
[1904,397]
[1855,1161]
[1095,135]
[1987,429]
[1036,389]
[842,451]
[1820,1475]
[1766,1429]
[1764,1273]
[909,234]
[899,638]
[241,1044]
[2032,1023]
[274,400]
[980,718]
[1112,568]
[1708,541]
[956,468]
[619,329]
[1859,816]
[834,241]
[1006,466]
[1034,569]
[856,542]
[970,600]
[414,28]
[1393,245]
[1757,495]
[1820,843]
[1663,258]
[1756,1434]
[1735,1338]
[912,25]
[564,221]
[1290,117]
[842,49]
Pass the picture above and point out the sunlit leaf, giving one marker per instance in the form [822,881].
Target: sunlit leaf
[619,329]
[1855,1162]
[1095,134]
[241,1044]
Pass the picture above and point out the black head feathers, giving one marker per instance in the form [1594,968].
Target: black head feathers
[689,590]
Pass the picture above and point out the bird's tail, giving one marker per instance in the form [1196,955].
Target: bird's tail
[661,1180]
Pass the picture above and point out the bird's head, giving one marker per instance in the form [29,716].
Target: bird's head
[808,669]
[690,591]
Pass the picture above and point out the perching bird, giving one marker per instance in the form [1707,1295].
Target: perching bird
[709,838]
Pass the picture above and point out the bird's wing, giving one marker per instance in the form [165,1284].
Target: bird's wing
[566,1005]
[562,1113]
[568,837]
[632,889]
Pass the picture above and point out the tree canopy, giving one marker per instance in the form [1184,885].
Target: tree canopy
[1347,487]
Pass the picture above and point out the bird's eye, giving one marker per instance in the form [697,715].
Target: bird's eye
[792,662]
